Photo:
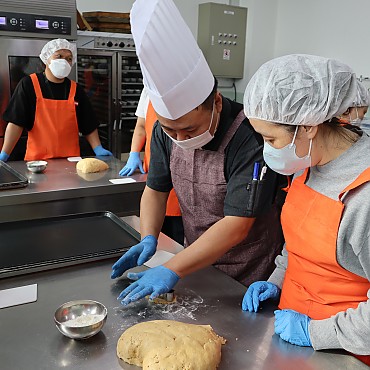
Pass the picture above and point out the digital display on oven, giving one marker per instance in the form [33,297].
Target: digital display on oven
[2,21]
[42,24]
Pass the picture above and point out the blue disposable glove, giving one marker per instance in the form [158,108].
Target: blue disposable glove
[292,327]
[155,281]
[258,292]
[135,256]
[99,150]
[4,156]
[133,163]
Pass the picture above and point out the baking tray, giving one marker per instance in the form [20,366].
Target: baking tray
[48,243]
[10,178]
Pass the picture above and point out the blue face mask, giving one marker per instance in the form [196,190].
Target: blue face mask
[285,160]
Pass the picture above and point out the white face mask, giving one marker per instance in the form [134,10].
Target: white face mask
[60,68]
[197,141]
[285,160]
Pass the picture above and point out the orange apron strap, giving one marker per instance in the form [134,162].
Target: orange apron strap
[300,179]
[362,178]
[363,358]
[289,181]
[36,86]
[150,120]
[72,91]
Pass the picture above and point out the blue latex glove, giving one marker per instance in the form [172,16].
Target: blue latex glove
[155,281]
[99,150]
[135,256]
[292,327]
[133,163]
[4,156]
[258,292]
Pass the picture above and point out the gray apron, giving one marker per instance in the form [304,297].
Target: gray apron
[199,181]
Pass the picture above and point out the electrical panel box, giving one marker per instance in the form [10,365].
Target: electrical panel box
[222,37]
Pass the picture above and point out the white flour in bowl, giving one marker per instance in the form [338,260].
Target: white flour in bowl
[84,320]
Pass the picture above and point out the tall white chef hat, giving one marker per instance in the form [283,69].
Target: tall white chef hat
[57,44]
[175,72]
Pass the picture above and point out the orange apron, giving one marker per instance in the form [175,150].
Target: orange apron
[55,130]
[315,284]
[173,207]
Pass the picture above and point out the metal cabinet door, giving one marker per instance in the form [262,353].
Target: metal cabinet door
[96,72]
[130,85]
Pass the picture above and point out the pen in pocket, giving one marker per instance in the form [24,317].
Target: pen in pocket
[263,171]
[253,187]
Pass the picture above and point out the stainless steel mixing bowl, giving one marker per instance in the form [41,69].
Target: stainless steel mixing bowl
[36,166]
[80,319]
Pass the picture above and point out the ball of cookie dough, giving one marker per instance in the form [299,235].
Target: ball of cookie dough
[90,165]
[170,345]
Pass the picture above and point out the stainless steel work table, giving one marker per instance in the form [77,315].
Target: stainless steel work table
[60,190]
[30,340]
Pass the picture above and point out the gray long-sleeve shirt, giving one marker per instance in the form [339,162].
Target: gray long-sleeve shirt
[350,329]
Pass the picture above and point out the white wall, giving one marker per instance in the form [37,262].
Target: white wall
[332,28]
[123,6]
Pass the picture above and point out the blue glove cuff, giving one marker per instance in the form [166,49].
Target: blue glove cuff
[4,155]
[135,154]
[97,148]
[151,239]
[173,273]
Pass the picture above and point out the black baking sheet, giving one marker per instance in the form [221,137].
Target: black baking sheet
[34,245]
[10,178]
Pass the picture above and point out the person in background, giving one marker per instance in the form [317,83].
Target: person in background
[146,118]
[323,275]
[356,112]
[52,108]
[204,147]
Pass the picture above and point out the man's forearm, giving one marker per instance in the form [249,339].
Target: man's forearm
[93,139]
[11,137]
[139,135]
[152,211]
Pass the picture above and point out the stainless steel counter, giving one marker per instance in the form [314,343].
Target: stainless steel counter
[60,190]
[31,341]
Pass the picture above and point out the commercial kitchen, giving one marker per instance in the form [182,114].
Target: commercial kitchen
[62,228]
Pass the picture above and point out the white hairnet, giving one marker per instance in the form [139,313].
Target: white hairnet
[362,98]
[58,44]
[300,89]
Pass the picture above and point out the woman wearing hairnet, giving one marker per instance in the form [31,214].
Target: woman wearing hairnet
[52,108]
[322,276]
[356,112]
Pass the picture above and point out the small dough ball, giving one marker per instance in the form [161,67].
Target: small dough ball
[170,345]
[90,165]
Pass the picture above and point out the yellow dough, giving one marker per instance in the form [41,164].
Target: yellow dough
[89,165]
[170,345]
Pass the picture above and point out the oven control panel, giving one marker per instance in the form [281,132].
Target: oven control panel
[37,24]
[114,43]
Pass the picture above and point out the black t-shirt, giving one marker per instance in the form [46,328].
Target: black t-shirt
[22,106]
[244,149]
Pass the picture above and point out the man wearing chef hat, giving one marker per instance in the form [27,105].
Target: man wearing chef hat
[204,147]
[52,108]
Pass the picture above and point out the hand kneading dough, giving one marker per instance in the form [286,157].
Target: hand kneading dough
[89,165]
[170,345]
